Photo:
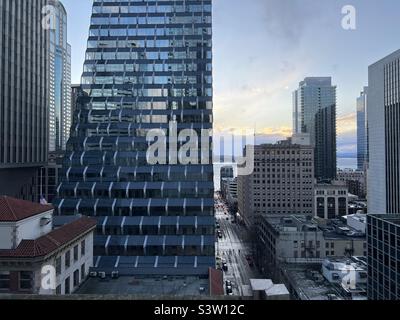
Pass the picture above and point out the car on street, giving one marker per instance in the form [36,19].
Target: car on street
[225,266]
[229,290]
[228,283]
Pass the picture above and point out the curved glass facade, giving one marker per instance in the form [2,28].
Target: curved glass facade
[314,112]
[60,81]
[148,63]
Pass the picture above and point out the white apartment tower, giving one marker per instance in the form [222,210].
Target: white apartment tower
[384,135]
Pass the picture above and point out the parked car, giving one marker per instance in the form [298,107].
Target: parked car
[225,266]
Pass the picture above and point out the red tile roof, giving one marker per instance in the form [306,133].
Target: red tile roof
[12,209]
[51,241]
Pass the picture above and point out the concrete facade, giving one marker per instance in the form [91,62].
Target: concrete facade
[282,181]
[331,200]
[384,108]
[299,239]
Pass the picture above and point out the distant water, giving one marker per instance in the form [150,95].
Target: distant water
[347,163]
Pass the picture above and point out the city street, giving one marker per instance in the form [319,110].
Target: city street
[233,249]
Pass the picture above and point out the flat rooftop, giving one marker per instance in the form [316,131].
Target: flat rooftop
[306,287]
[309,284]
[334,229]
[392,218]
[147,287]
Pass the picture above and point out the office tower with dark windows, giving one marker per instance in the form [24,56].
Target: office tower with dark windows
[383,237]
[76,91]
[384,135]
[362,130]
[23,96]
[148,66]
[60,80]
[314,112]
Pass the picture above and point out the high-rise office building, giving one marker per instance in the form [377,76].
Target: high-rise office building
[314,112]
[282,181]
[60,80]
[362,130]
[23,96]
[384,135]
[383,242]
[148,65]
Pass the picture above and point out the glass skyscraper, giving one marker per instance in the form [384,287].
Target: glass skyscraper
[362,130]
[383,238]
[60,80]
[314,112]
[148,64]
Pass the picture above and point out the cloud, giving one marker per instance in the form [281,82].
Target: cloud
[288,20]
[347,124]
[255,107]
[347,135]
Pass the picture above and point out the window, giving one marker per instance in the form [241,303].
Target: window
[25,280]
[67,286]
[83,271]
[67,259]
[76,253]
[83,248]
[76,278]
[58,266]
[4,280]
[58,289]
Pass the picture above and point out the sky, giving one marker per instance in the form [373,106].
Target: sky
[262,49]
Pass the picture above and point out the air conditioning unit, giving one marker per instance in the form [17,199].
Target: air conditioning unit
[45,221]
